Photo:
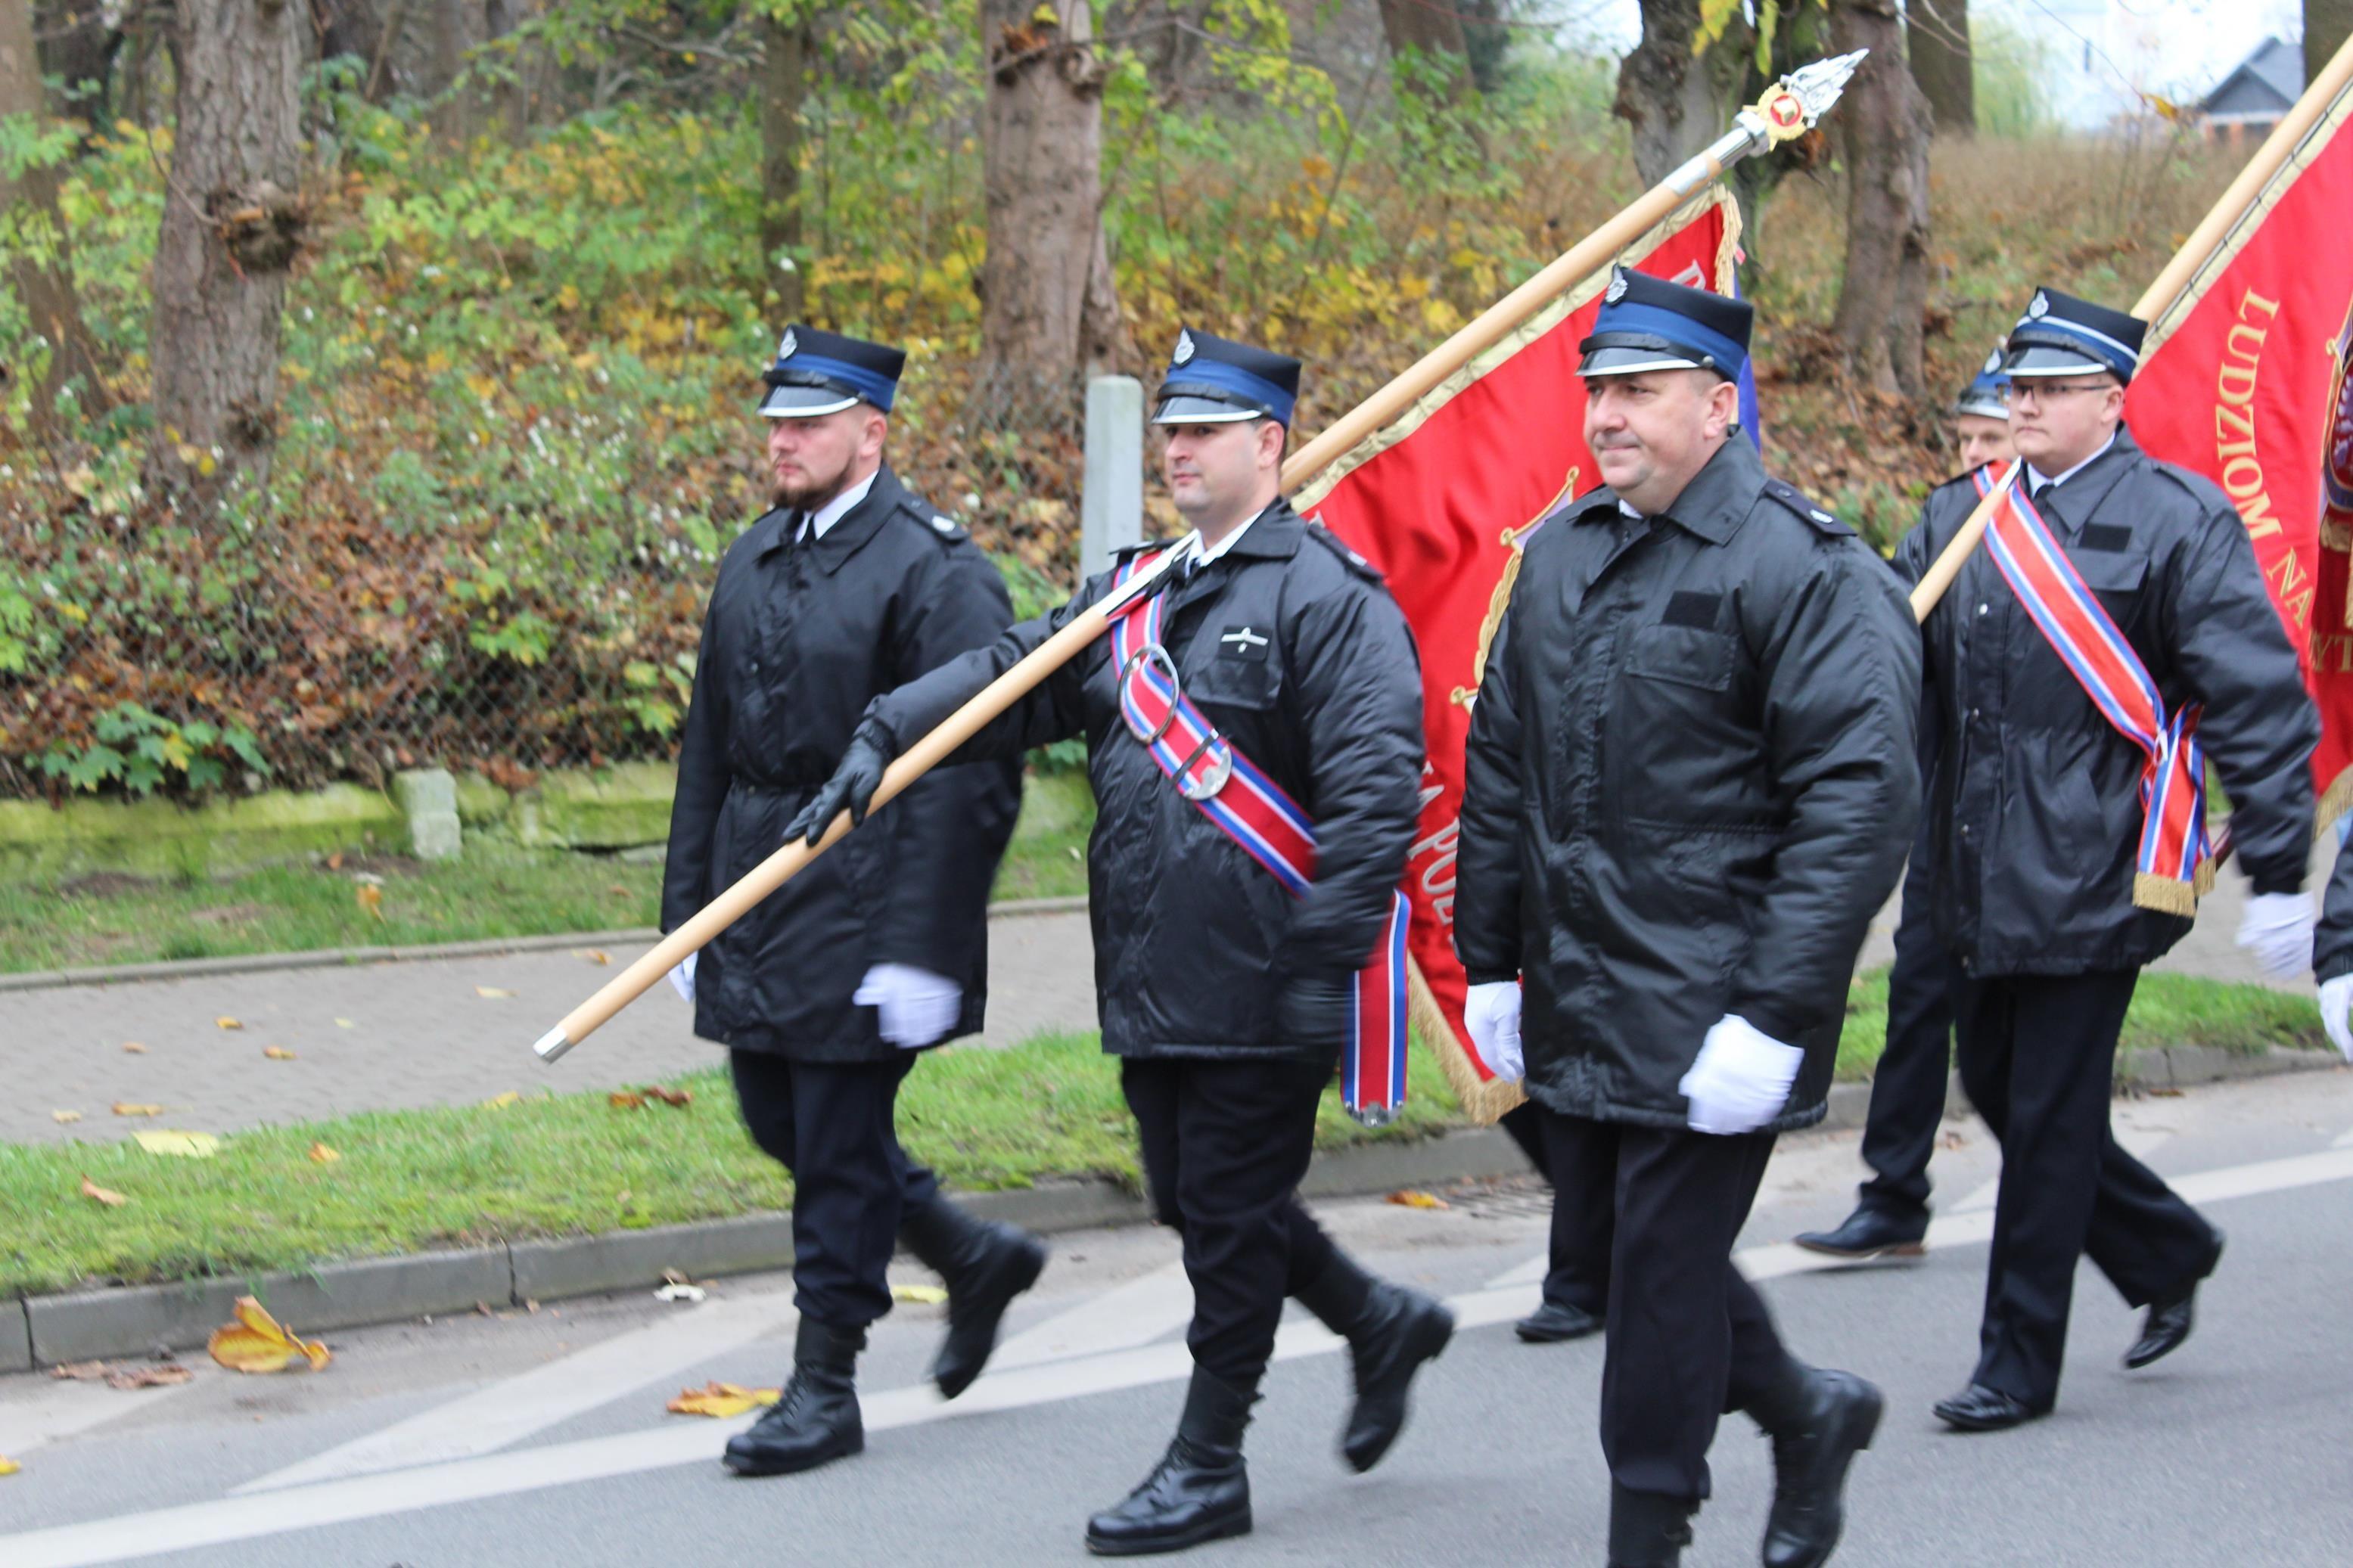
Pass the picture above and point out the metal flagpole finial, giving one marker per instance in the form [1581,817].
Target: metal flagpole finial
[1797,104]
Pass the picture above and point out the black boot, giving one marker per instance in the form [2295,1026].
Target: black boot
[1200,1489]
[1648,1530]
[986,1265]
[1818,1420]
[1391,1331]
[817,1419]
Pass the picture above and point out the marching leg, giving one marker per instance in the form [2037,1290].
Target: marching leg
[1200,1489]
[985,1263]
[816,1419]
[1577,1283]
[1391,1330]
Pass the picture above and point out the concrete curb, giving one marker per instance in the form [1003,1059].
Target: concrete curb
[337,957]
[134,1319]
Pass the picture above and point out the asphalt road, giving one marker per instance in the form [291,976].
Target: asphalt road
[539,1439]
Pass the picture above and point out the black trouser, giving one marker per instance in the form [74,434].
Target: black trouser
[1225,1143]
[1689,1338]
[830,1124]
[1567,1282]
[2037,1056]
[1907,1090]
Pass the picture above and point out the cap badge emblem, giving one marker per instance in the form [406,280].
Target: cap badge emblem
[1184,352]
[1617,290]
[784,349]
[2040,307]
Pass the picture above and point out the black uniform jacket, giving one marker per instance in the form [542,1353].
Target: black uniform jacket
[1292,646]
[1692,779]
[798,638]
[2034,807]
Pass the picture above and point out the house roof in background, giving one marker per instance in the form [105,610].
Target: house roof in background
[2266,81]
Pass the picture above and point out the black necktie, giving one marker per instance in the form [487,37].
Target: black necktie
[2042,492]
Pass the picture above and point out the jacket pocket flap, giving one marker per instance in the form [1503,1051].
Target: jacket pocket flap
[1686,655]
[2105,574]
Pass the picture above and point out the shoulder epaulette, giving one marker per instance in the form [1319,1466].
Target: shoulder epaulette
[939,524]
[1339,547]
[1790,496]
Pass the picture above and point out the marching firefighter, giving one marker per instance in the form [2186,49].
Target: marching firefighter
[826,993]
[1255,745]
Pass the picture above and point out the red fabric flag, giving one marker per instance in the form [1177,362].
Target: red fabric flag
[2243,378]
[1440,501]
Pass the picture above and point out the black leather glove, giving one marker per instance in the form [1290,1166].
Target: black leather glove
[855,779]
[1315,1009]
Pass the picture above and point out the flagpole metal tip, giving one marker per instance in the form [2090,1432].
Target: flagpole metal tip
[551,1044]
[1819,85]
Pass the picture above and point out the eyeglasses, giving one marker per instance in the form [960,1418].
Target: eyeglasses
[2020,390]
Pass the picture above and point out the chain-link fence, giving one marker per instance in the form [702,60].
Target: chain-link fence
[387,621]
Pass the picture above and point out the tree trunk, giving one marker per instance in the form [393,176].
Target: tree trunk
[2327,23]
[232,222]
[1884,127]
[1049,315]
[785,48]
[1677,97]
[1937,34]
[34,238]
[1426,35]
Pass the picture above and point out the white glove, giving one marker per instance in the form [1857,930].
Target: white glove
[1741,1080]
[1492,1012]
[917,1006]
[2335,1000]
[682,978]
[2277,928]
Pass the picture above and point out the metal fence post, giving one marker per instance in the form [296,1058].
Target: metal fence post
[1111,503]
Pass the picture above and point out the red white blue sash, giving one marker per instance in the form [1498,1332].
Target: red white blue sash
[2175,863]
[1252,810]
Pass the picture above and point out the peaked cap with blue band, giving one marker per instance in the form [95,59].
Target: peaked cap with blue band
[822,373]
[1213,380]
[1987,393]
[2062,335]
[1649,323]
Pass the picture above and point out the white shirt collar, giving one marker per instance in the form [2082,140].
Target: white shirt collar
[1211,552]
[834,510]
[2036,479]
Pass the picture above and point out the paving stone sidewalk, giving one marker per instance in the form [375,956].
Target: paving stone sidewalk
[413,1033]
[421,1032]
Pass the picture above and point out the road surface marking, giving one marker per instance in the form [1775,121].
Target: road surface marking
[1121,1318]
[506,1412]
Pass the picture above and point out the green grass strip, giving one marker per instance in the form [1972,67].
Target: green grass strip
[553,1166]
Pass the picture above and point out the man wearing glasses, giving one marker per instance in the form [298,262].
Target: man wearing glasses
[1267,684]
[2114,628]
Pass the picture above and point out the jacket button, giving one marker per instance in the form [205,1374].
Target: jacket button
[1982,609]
[1965,830]
[755,667]
[1977,713]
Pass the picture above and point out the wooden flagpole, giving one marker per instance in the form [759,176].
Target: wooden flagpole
[1787,111]
[2208,238]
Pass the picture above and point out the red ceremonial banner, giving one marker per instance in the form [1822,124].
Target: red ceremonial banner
[2243,378]
[1441,501]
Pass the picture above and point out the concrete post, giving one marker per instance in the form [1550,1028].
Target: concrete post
[1112,504]
[428,799]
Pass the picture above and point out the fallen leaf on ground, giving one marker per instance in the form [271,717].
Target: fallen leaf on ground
[622,1099]
[324,1155]
[187,1145]
[134,1048]
[163,1374]
[693,1294]
[922,1295]
[618,890]
[1415,1199]
[277,1053]
[594,956]
[371,899]
[256,1343]
[124,1108]
[678,1099]
[335,861]
[81,1371]
[226,1022]
[8,1466]
[496,993]
[62,1116]
[346,1024]
[499,1102]
[111,1198]
[720,1399]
